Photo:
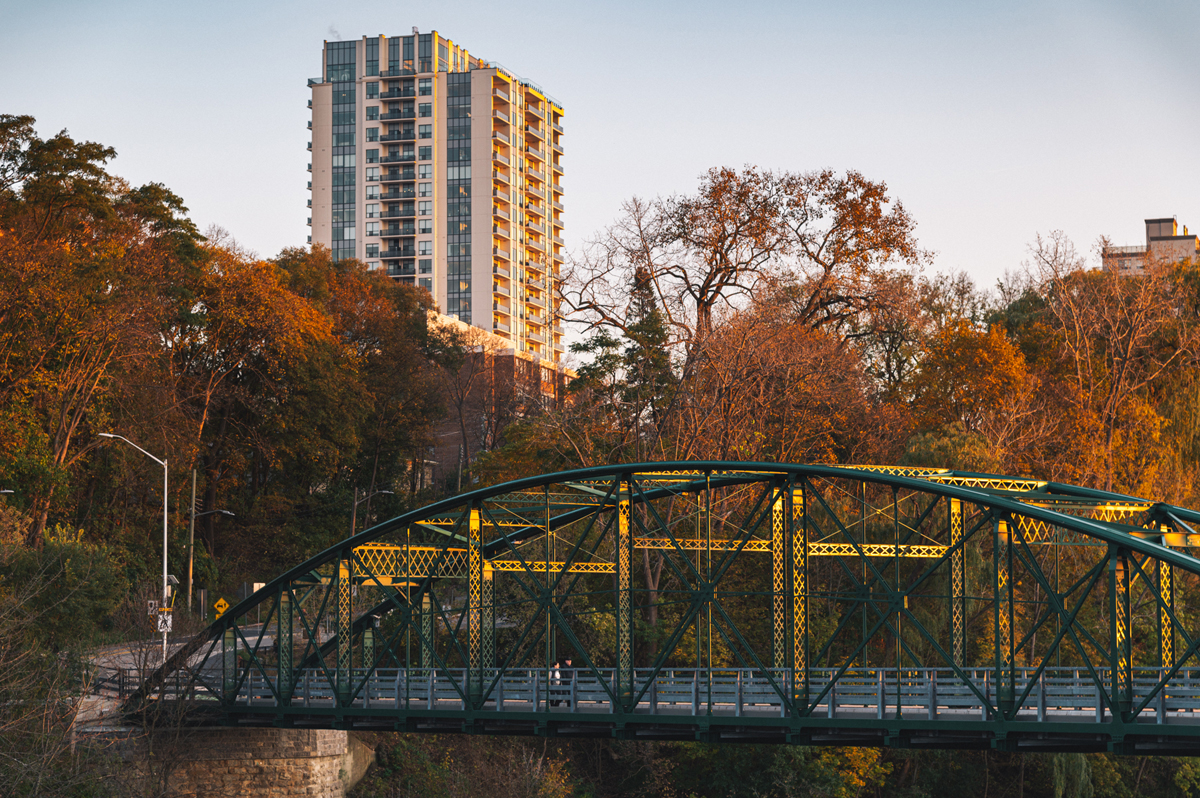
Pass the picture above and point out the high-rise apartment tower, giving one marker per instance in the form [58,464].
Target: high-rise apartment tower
[446,171]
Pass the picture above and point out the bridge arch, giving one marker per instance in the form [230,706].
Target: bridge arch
[728,600]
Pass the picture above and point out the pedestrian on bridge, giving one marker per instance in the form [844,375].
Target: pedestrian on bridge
[567,675]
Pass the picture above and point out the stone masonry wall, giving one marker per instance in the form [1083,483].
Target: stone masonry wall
[249,763]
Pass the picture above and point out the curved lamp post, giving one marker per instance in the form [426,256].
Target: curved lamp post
[358,501]
[166,594]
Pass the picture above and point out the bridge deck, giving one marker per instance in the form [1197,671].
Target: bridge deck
[1061,709]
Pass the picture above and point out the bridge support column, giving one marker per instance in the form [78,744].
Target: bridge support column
[1122,656]
[475,604]
[427,628]
[958,609]
[800,662]
[1166,629]
[229,669]
[345,609]
[368,647]
[488,611]
[1002,556]
[624,595]
[779,591]
[285,680]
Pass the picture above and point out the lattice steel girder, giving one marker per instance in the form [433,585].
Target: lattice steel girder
[1030,509]
[345,612]
[624,557]
[779,580]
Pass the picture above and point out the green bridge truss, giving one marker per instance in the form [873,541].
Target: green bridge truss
[730,601]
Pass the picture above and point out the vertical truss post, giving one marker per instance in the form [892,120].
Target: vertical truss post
[624,594]
[475,603]
[368,647]
[488,610]
[1122,659]
[345,609]
[958,608]
[229,663]
[799,536]
[283,644]
[1166,631]
[779,602]
[426,632]
[1002,556]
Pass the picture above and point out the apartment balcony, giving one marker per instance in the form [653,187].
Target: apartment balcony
[558,241]
[396,94]
[535,301]
[310,167]
[535,210]
[557,206]
[310,103]
[407,214]
[501,194]
[558,258]
[498,136]
[558,128]
[407,113]
[538,245]
[499,289]
[503,95]
[540,175]
[498,175]
[537,192]
[407,157]
[500,307]
[400,230]
[536,338]
[558,168]
[535,318]
[401,252]
[405,193]
[499,326]
[315,81]
[310,203]
[310,146]
[503,117]
[557,148]
[533,131]
[310,225]
[531,111]
[498,158]
[403,72]
[536,283]
[500,271]
[537,227]
[403,135]
[500,231]
[501,253]
[556,188]
[499,213]
[310,124]
[536,152]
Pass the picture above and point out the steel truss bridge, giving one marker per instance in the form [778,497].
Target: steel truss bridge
[725,601]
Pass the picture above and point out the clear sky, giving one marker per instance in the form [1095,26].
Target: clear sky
[991,121]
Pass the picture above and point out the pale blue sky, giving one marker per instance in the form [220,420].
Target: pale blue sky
[992,122]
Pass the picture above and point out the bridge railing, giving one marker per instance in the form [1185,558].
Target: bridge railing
[1060,694]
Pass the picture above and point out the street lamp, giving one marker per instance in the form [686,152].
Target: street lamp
[166,585]
[192,534]
[358,501]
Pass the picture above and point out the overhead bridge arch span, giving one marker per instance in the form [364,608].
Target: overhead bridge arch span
[730,601]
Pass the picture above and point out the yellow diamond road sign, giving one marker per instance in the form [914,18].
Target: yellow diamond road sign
[221,606]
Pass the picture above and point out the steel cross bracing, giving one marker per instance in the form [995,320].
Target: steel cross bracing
[730,601]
